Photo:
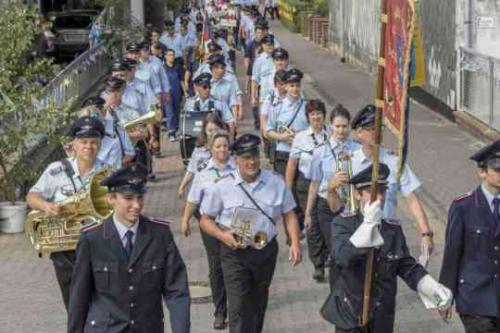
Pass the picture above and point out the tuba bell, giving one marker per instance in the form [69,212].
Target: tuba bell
[58,233]
[148,118]
[250,228]
[346,192]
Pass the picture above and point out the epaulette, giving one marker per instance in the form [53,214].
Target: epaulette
[463,196]
[159,221]
[92,227]
[224,177]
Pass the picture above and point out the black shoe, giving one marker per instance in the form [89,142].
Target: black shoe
[319,274]
[220,322]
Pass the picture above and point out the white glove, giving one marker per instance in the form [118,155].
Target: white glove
[368,233]
[434,294]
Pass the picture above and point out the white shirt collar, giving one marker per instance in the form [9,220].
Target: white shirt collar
[489,196]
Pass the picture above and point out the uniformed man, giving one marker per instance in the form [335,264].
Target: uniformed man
[265,77]
[63,179]
[125,265]
[222,88]
[116,147]
[324,176]
[472,248]
[363,125]
[263,66]
[171,40]
[284,122]
[353,235]
[248,271]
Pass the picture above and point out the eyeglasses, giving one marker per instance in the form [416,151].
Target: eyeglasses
[205,86]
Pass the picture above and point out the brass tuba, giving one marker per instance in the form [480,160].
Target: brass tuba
[346,192]
[58,233]
[148,118]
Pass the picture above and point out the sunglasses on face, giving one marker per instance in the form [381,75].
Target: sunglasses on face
[205,86]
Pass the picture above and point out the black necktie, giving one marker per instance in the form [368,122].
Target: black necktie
[129,246]
[496,210]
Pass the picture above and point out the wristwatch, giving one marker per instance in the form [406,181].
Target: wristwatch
[428,233]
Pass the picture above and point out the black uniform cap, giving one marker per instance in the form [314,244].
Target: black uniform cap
[203,78]
[216,59]
[268,39]
[96,101]
[133,47]
[488,156]
[293,75]
[280,53]
[119,66]
[365,117]
[213,47]
[115,84]
[261,23]
[364,177]
[131,178]
[169,23]
[246,144]
[86,127]
[130,63]
[144,45]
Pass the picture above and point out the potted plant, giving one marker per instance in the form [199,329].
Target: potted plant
[24,127]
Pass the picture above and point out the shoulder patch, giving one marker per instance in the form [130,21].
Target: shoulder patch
[463,196]
[159,221]
[92,226]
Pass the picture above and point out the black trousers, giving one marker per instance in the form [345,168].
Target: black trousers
[256,117]
[325,217]
[64,262]
[316,242]
[480,324]
[280,162]
[219,298]
[248,274]
[142,155]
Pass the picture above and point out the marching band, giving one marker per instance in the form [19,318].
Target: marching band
[183,81]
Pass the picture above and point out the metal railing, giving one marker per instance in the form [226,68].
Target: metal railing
[480,86]
[76,79]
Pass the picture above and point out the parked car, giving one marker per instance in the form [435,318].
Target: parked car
[72,31]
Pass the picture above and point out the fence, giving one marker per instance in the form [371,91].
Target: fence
[76,79]
[480,86]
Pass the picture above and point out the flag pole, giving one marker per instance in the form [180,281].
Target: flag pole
[379,104]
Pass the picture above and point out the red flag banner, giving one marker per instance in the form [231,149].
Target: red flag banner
[398,39]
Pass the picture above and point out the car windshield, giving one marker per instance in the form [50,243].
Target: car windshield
[73,22]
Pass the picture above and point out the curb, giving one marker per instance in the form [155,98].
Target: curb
[476,127]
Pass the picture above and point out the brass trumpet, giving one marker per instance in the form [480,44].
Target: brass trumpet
[245,237]
[346,192]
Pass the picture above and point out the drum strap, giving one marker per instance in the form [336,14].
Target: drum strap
[256,204]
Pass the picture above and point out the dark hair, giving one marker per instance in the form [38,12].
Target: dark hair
[168,50]
[315,105]
[157,30]
[279,76]
[211,118]
[340,111]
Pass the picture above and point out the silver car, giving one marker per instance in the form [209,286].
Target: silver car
[72,31]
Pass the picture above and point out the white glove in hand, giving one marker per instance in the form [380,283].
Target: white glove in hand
[368,234]
[434,294]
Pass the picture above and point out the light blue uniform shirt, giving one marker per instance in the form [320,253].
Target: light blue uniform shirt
[174,43]
[191,26]
[157,69]
[225,91]
[187,41]
[148,96]
[283,115]
[199,159]
[122,230]
[408,182]
[133,99]
[271,101]
[54,184]
[324,164]
[111,149]
[206,178]
[269,191]
[148,77]
[221,107]
[228,75]
[304,145]
[262,67]
[489,197]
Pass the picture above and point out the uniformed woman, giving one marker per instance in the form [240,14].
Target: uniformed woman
[323,168]
[290,118]
[259,197]
[218,166]
[201,153]
[304,147]
[64,178]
